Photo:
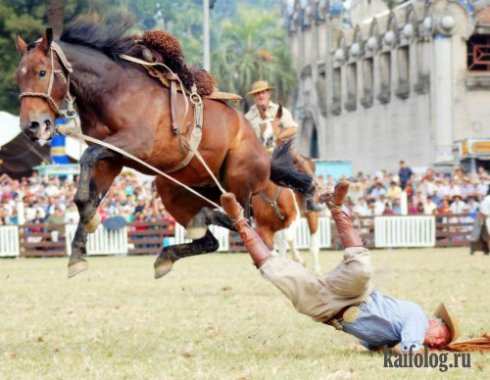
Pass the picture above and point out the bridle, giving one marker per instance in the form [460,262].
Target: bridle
[69,111]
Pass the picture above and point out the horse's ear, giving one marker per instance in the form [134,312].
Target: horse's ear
[47,39]
[21,45]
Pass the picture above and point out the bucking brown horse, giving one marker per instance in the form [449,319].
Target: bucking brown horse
[119,103]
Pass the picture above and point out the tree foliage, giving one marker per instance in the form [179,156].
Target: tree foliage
[253,46]
[247,43]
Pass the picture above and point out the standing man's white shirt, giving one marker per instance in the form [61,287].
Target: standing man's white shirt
[263,126]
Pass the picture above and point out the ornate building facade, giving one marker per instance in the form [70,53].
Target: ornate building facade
[378,85]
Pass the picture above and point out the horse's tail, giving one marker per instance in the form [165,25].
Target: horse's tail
[284,172]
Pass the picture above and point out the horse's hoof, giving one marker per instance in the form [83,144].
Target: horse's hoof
[162,267]
[92,225]
[77,267]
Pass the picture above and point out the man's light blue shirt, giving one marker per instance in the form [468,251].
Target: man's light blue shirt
[387,321]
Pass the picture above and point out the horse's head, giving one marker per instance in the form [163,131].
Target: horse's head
[43,86]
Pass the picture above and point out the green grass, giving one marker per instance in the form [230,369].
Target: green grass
[212,317]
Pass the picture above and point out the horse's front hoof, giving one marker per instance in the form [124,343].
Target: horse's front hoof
[77,267]
[92,225]
[162,267]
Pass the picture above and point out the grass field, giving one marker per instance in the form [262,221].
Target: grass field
[213,317]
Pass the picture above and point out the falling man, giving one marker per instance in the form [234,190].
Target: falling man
[345,298]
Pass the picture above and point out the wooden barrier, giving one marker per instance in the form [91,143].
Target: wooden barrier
[42,240]
[147,238]
[453,230]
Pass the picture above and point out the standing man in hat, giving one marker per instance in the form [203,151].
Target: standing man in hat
[274,124]
[344,297]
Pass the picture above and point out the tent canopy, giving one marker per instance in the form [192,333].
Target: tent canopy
[9,127]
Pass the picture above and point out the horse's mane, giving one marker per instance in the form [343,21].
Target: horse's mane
[110,37]
[107,36]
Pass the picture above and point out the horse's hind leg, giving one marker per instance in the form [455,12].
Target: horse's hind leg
[170,255]
[290,234]
[97,172]
[280,243]
[313,226]
[189,211]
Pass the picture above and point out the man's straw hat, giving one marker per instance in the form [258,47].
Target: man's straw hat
[259,86]
[451,322]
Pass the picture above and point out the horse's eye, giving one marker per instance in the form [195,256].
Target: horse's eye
[42,73]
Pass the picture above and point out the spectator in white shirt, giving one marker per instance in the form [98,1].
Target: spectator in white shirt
[430,207]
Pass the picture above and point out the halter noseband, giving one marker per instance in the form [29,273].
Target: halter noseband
[69,111]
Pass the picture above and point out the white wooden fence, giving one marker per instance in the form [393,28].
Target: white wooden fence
[303,233]
[102,241]
[404,231]
[390,232]
[9,241]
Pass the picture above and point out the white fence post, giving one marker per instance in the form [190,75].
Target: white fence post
[404,231]
[9,241]
[303,233]
[102,241]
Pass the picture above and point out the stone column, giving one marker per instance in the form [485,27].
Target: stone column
[442,94]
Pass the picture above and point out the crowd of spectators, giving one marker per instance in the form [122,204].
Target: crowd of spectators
[426,193]
[50,199]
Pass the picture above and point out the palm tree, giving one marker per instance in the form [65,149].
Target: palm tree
[253,47]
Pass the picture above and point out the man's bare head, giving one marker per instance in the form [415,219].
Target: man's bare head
[438,334]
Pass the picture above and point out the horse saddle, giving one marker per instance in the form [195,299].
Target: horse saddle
[160,72]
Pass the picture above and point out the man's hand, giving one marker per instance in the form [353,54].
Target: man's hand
[252,241]
[232,207]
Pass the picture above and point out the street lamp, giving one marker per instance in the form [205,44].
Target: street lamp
[207,53]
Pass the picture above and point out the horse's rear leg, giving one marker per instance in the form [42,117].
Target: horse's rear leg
[313,226]
[290,234]
[280,243]
[170,255]
[97,172]
[187,210]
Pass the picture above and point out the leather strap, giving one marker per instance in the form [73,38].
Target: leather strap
[173,111]
[273,202]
